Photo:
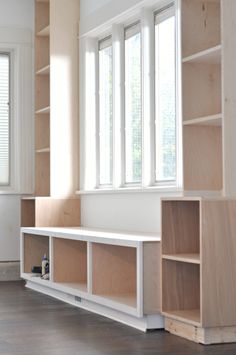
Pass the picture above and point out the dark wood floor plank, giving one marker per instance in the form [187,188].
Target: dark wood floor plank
[35,324]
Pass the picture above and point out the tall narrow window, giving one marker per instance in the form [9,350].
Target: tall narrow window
[165,97]
[105,112]
[133,106]
[4,119]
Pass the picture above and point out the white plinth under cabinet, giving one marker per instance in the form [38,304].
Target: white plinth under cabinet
[110,273]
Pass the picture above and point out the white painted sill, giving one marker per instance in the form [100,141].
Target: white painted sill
[128,190]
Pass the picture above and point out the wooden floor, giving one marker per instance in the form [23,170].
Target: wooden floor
[31,323]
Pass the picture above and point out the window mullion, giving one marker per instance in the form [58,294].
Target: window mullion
[118,104]
[148,97]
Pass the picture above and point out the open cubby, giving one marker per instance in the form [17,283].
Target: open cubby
[35,246]
[42,91]
[42,58]
[42,174]
[114,273]
[42,18]
[180,227]
[202,151]
[200,25]
[70,263]
[201,90]
[181,291]
[42,131]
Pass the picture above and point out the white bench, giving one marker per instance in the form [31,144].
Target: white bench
[116,274]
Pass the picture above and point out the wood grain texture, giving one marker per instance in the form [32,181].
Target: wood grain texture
[218,263]
[180,227]
[202,155]
[180,286]
[151,278]
[70,261]
[42,57]
[42,92]
[200,25]
[27,213]
[229,95]
[114,270]
[34,249]
[42,174]
[201,87]
[42,15]
[42,131]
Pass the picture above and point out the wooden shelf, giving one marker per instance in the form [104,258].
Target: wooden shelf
[128,300]
[44,71]
[44,32]
[44,150]
[191,316]
[43,110]
[186,258]
[208,56]
[212,120]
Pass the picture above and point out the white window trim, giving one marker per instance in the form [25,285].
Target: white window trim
[144,14]
[18,42]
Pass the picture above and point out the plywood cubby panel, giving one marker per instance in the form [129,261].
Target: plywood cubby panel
[42,58]
[180,227]
[200,25]
[42,92]
[42,16]
[70,263]
[42,131]
[35,246]
[42,174]
[114,273]
[202,147]
[181,290]
[201,90]
[50,212]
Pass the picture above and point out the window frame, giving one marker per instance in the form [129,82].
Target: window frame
[146,17]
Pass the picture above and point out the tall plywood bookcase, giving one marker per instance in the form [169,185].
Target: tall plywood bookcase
[198,233]
[56,116]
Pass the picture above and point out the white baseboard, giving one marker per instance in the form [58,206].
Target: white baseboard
[10,271]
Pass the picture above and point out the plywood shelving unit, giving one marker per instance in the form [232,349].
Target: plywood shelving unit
[113,273]
[55,203]
[202,95]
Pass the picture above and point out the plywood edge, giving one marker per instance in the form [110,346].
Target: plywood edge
[206,336]
[152,277]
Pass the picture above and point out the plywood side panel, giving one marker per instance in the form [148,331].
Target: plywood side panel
[42,131]
[180,286]
[70,261]
[200,25]
[27,213]
[42,92]
[41,16]
[42,174]
[35,247]
[218,263]
[57,212]
[114,270]
[151,278]
[64,19]
[180,227]
[202,153]
[41,52]
[229,98]
[201,90]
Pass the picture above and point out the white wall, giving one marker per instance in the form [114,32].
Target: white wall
[124,211]
[13,14]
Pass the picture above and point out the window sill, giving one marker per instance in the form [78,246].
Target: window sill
[127,190]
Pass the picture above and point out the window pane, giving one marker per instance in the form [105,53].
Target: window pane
[105,115]
[133,110]
[165,100]
[4,119]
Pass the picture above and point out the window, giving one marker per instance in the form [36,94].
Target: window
[130,104]
[133,105]
[105,112]
[4,118]
[165,97]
